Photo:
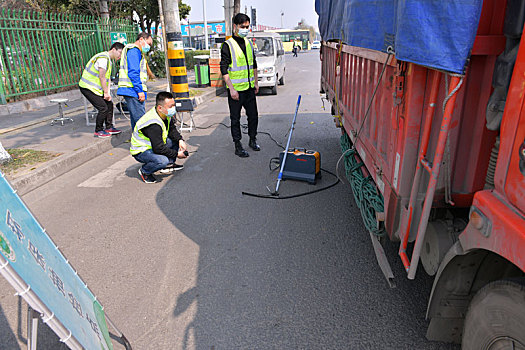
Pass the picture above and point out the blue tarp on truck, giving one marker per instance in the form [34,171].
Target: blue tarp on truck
[434,33]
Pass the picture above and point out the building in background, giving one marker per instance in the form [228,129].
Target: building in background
[193,34]
[262,28]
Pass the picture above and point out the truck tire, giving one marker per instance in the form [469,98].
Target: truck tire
[496,317]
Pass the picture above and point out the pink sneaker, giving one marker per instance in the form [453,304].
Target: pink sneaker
[113,131]
[102,133]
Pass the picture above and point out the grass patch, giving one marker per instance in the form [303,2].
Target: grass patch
[195,92]
[25,157]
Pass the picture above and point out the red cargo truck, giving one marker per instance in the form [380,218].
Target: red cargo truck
[428,173]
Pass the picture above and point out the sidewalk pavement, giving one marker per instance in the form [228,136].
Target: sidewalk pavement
[74,141]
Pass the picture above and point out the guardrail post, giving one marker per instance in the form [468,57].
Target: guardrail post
[99,37]
[3,100]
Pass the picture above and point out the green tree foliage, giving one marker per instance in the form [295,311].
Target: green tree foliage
[184,10]
[14,5]
[147,11]
[117,9]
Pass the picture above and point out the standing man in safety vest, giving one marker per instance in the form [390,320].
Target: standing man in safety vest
[155,140]
[94,85]
[133,76]
[239,70]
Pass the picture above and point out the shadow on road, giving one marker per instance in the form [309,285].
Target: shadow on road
[284,274]
[9,338]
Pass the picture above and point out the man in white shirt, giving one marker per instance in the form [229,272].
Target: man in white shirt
[95,85]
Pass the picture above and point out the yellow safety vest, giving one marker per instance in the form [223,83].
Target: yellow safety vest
[240,71]
[90,79]
[123,77]
[139,141]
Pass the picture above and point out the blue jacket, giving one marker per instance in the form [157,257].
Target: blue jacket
[134,56]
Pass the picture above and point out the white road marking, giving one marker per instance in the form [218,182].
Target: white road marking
[107,177]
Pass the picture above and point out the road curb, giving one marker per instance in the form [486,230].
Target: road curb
[67,162]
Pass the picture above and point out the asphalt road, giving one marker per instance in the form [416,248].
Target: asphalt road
[190,263]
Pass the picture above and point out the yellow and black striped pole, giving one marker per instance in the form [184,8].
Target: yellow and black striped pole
[177,65]
[178,78]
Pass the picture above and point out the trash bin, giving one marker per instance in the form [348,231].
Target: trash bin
[202,71]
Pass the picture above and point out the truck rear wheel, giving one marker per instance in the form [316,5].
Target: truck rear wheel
[496,317]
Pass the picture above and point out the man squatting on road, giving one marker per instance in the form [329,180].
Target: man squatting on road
[95,86]
[239,70]
[133,75]
[155,140]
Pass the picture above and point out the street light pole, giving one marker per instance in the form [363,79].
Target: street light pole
[205,24]
[189,32]
[282,14]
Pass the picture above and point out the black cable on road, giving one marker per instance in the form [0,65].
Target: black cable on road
[273,160]
[272,196]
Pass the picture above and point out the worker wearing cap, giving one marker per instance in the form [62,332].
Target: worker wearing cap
[133,75]
[94,85]
[239,71]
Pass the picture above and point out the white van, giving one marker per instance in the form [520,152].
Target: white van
[269,53]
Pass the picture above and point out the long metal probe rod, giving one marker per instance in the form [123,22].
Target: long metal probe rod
[287,146]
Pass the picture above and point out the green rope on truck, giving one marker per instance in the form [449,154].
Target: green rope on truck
[368,198]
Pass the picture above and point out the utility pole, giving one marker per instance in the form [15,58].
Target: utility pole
[282,14]
[236,7]
[228,15]
[205,24]
[104,12]
[178,77]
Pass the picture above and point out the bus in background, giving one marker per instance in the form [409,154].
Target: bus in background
[289,35]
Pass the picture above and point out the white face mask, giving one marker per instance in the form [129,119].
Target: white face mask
[171,111]
[243,32]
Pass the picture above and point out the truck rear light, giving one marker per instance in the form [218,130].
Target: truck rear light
[480,222]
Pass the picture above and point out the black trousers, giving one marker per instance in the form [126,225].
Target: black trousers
[105,109]
[246,100]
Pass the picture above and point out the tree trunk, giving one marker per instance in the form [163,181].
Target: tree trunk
[104,12]
[236,7]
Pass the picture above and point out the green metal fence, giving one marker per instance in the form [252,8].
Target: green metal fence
[44,53]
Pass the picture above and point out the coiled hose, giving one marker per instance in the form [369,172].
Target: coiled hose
[368,198]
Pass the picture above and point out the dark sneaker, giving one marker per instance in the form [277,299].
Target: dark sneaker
[149,179]
[113,131]
[171,168]
[102,133]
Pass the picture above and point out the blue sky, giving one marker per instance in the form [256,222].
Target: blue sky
[268,11]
